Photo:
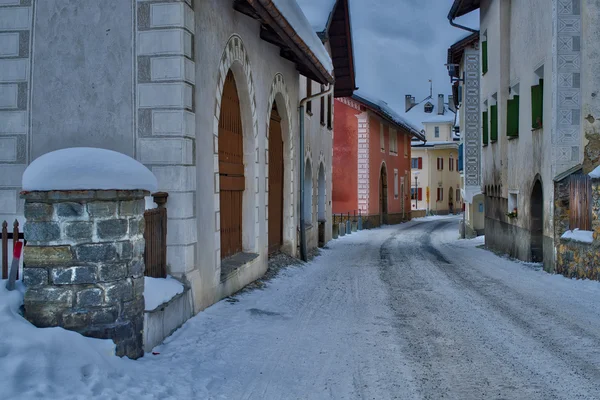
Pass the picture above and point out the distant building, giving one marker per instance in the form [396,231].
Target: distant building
[435,181]
[371,163]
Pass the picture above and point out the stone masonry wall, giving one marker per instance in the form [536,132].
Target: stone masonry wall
[84,266]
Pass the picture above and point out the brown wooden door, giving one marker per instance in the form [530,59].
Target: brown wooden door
[231,169]
[275,183]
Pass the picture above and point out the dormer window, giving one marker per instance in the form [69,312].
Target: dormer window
[428,107]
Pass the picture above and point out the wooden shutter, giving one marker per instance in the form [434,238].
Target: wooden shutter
[322,109]
[484,117]
[329,112]
[512,117]
[484,57]
[537,105]
[442,163]
[420,162]
[493,123]
[420,194]
[580,202]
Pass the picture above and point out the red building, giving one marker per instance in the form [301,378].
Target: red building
[371,161]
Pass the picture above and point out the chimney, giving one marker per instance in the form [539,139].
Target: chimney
[408,103]
[451,103]
[440,104]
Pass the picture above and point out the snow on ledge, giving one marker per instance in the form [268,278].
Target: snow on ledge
[158,291]
[579,236]
[595,173]
[86,168]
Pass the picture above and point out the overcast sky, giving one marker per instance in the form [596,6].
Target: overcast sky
[400,44]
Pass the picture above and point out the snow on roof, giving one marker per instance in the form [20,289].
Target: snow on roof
[86,168]
[579,236]
[595,173]
[391,114]
[317,12]
[418,116]
[293,14]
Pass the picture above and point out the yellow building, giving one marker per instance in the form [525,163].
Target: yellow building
[435,180]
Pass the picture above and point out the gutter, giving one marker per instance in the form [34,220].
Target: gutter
[451,17]
[274,13]
[328,91]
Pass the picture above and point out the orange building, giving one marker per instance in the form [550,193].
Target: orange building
[371,161]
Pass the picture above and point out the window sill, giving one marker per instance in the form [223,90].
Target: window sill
[512,137]
[537,129]
[493,141]
[329,128]
[484,145]
[323,124]
[231,265]
[309,113]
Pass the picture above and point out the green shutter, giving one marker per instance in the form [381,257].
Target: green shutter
[484,58]
[512,117]
[493,123]
[537,105]
[485,128]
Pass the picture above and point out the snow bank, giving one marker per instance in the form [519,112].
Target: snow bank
[158,291]
[86,168]
[293,14]
[579,236]
[35,362]
[595,173]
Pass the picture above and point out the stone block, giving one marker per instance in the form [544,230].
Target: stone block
[43,315]
[101,252]
[102,209]
[70,210]
[66,195]
[118,292]
[38,211]
[97,319]
[136,226]
[93,297]
[79,230]
[138,248]
[55,296]
[41,231]
[75,319]
[115,331]
[125,250]
[131,208]
[35,277]
[73,275]
[137,268]
[104,315]
[132,194]
[35,256]
[112,229]
[138,287]
[106,194]
[134,309]
[112,272]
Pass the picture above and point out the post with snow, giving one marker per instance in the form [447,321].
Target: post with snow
[83,263]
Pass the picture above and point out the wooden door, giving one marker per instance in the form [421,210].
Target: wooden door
[275,183]
[231,169]
[383,197]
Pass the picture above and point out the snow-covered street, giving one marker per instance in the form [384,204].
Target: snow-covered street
[401,312]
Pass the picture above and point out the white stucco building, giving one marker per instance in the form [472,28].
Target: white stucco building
[536,97]
[435,181]
[190,89]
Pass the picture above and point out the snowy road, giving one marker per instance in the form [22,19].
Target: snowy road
[402,312]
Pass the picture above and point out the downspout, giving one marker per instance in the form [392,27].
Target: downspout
[303,251]
[454,24]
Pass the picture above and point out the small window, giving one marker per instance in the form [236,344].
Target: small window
[405,138]
[416,163]
[428,107]
[393,142]
[451,163]
[440,194]
[440,163]
[416,194]
[329,112]
[537,105]
[484,118]
[437,131]
[512,117]
[457,195]
[484,54]
[494,123]
[395,183]
[381,138]
[308,94]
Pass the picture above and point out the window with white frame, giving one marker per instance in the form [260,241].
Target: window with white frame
[381,138]
[437,131]
[451,163]
[395,183]
[393,142]
[440,163]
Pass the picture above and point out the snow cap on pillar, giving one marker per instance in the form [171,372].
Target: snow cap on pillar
[87,168]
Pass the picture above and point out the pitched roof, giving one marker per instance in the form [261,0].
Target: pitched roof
[318,13]
[382,109]
[462,7]
[456,51]
[418,116]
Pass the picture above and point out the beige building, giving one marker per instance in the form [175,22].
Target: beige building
[435,181]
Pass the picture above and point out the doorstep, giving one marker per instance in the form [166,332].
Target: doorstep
[165,319]
[240,270]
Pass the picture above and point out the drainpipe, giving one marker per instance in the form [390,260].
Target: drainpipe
[303,252]
[454,24]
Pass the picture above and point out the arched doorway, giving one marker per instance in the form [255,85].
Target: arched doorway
[537,222]
[383,196]
[308,194]
[276,174]
[322,198]
[231,169]
[450,200]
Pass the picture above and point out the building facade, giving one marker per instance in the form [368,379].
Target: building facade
[538,115]
[190,89]
[434,180]
[371,165]
[464,71]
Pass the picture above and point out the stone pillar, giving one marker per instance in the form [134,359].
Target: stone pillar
[84,265]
